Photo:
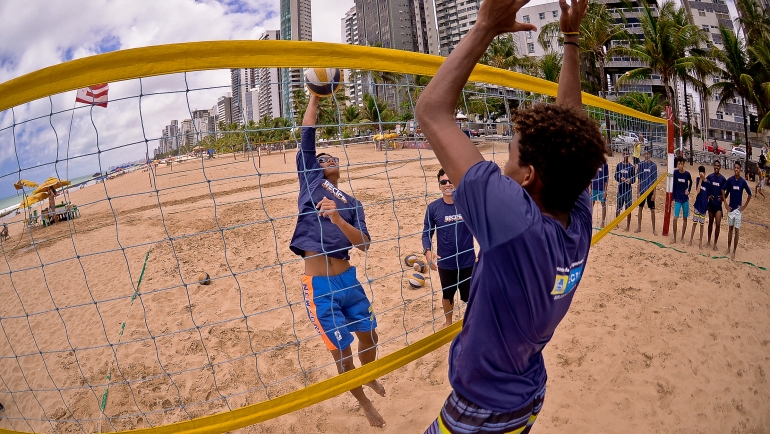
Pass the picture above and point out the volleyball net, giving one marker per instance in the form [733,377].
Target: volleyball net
[104,322]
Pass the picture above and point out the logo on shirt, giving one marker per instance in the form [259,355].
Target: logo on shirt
[567,279]
[716,184]
[736,187]
[647,170]
[334,190]
[453,218]
[681,180]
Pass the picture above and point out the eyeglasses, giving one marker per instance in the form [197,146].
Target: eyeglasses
[445,182]
[328,158]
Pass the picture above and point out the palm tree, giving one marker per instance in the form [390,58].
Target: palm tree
[598,29]
[665,42]
[737,69]
[651,105]
[502,53]
[549,66]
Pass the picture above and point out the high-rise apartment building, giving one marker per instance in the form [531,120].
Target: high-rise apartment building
[224,114]
[186,133]
[170,137]
[356,82]
[454,19]
[269,84]
[296,25]
[202,123]
[401,24]
[241,82]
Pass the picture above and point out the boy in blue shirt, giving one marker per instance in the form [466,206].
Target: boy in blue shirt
[625,175]
[682,188]
[700,207]
[733,189]
[647,174]
[532,222]
[329,223]
[715,182]
[599,189]
[455,256]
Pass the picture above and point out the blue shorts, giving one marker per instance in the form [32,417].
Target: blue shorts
[683,207]
[337,306]
[597,195]
[624,201]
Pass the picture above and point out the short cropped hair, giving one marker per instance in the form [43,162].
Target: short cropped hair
[566,148]
[738,163]
[440,173]
[679,160]
[318,155]
[701,169]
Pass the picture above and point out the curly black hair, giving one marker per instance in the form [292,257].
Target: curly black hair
[440,173]
[566,148]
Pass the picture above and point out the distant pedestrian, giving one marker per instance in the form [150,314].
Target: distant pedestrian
[647,173]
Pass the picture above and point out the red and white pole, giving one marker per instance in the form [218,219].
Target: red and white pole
[669,170]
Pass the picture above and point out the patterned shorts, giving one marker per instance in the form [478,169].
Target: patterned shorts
[698,217]
[460,416]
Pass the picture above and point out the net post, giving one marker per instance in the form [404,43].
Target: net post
[669,169]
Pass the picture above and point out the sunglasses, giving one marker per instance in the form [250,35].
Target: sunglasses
[445,182]
[327,158]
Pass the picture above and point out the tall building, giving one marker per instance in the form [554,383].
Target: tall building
[202,124]
[186,133]
[539,15]
[454,19]
[170,137]
[269,84]
[356,82]
[296,25]
[224,114]
[241,82]
[400,24]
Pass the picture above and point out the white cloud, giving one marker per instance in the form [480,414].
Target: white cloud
[41,33]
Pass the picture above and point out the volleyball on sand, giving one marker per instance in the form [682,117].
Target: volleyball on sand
[410,259]
[416,280]
[204,279]
[420,267]
[323,81]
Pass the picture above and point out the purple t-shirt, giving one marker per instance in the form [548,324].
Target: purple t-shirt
[715,183]
[528,270]
[313,232]
[734,191]
[454,242]
[702,199]
[599,183]
[682,186]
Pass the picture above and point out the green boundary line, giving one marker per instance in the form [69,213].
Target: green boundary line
[663,246]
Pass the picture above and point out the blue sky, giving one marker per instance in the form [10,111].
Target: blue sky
[41,33]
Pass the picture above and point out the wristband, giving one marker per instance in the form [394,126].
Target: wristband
[572,43]
[571,33]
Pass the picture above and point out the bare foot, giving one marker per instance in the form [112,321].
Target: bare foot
[446,324]
[603,224]
[732,256]
[715,248]
[655,233]
[708,244]
[376,387]
[700,246]
[373,415]
[690,245]
[727,252]
[638,230]
[626,229]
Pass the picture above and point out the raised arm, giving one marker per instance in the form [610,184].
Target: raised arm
[435,108]
[308,168]
[569,78]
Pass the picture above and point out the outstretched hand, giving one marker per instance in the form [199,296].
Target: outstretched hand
[500,16]
[572,16]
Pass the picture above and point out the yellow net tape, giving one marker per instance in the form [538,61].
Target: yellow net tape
[198,56]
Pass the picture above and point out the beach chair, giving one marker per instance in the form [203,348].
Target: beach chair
[75,212]
[32,219]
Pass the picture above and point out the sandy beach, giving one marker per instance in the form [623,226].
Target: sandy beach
[657,339]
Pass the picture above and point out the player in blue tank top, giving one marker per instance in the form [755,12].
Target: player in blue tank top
[700,207]
[329,223]
[532,222]
[733,190]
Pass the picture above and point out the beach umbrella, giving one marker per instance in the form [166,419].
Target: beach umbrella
[33,199]
[51,183]
[24,183]
[197,148]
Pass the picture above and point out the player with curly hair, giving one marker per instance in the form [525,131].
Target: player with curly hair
[532,222]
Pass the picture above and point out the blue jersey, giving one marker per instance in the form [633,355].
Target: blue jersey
[528,270]
[715,185]
[682,186]
[734,191]
[702,199]
[599,183]
[648,174]
[624,170]
[454,240]
[313,232]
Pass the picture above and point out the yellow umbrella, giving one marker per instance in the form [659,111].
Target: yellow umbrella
[33,199]
[24,183]
[51,183]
